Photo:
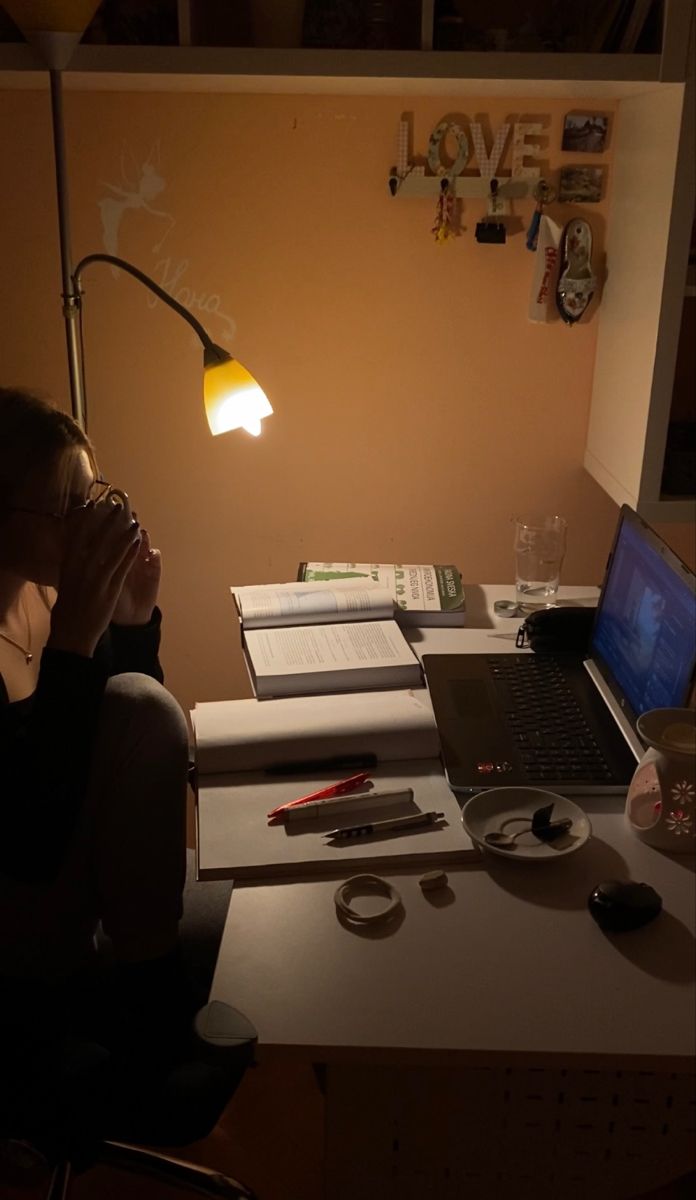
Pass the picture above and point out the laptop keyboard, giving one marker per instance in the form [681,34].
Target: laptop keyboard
[552,736]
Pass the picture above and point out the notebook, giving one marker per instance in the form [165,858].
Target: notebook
[567,722]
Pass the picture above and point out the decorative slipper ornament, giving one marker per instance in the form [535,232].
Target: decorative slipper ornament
[576,282]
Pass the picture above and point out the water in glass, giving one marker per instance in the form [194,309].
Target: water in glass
[539,551]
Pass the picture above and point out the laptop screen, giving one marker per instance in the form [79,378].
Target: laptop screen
[644,636]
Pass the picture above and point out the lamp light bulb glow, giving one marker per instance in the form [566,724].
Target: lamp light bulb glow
[233,398]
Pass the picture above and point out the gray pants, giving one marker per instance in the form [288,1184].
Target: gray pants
[126,862]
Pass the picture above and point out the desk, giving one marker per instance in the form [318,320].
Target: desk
[499,1009]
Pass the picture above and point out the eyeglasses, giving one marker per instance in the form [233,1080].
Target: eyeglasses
[97,492]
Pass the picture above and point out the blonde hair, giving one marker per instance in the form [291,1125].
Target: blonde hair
[37,439]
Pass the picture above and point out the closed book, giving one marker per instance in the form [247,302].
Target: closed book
[423,594]
[305,733]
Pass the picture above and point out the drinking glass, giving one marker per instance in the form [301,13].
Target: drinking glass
[539,549]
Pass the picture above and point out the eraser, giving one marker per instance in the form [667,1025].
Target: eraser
[433,879]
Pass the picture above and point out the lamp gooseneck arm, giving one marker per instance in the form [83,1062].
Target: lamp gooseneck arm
[72,295]
[213,353]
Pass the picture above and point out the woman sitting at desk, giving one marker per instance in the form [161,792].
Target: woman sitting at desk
[94,750]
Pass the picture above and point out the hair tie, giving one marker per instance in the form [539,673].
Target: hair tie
[368,883]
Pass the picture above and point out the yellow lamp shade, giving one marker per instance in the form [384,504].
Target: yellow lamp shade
[233,398]
[54,16]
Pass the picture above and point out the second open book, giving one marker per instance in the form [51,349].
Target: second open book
[300,639]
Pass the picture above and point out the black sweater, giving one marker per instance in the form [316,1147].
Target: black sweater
[46,743]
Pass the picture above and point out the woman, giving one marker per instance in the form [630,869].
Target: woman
[94,750]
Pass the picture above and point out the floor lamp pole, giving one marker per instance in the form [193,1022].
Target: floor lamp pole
[71,300]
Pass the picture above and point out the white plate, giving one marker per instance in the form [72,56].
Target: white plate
[513,806]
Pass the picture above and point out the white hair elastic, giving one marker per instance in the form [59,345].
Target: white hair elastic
[366,883]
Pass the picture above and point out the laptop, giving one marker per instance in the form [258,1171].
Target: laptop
[564,721]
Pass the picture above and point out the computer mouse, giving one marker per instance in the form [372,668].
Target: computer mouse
[618,906]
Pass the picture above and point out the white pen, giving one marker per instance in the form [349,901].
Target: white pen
[351,803]
[394,823]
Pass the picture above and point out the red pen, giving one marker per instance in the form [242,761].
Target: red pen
[334,789]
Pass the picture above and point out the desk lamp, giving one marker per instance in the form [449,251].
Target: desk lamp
[233,398]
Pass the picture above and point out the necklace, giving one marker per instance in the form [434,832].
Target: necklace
[25,650]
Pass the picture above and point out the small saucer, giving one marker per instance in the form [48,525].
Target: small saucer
[488,811]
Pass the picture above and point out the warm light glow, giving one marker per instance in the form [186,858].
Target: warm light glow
[233,398]
[51,16]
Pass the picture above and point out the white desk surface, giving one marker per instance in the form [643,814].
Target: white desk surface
[507,966]
[484,633]
[508,961]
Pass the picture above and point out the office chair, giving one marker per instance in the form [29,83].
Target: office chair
[67,1105]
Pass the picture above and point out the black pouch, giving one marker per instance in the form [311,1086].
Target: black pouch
[560,630]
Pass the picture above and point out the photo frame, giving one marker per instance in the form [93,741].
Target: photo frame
[581,185]
[585,133]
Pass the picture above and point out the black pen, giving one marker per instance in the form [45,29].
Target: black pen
[337,763]
[393,823]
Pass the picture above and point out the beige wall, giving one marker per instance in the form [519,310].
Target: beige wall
[416,408]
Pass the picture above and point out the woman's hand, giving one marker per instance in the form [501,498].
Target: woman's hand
[140,586]
[101,544]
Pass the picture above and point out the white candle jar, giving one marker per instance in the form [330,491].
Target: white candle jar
[661,800]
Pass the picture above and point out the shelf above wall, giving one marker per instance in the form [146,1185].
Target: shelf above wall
[341,72]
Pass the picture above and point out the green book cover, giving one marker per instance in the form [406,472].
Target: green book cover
[429,592]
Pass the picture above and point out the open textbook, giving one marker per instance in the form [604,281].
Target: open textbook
[300,639]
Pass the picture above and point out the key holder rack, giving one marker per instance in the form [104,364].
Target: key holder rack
[409,179]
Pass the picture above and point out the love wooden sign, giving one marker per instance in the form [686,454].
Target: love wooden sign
[470,151]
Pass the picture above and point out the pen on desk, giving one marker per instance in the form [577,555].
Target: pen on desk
[349,803]
[334,789]
[339,762]
[394,823]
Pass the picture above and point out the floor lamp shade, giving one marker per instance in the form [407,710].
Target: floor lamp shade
[53,27]
[51,16]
